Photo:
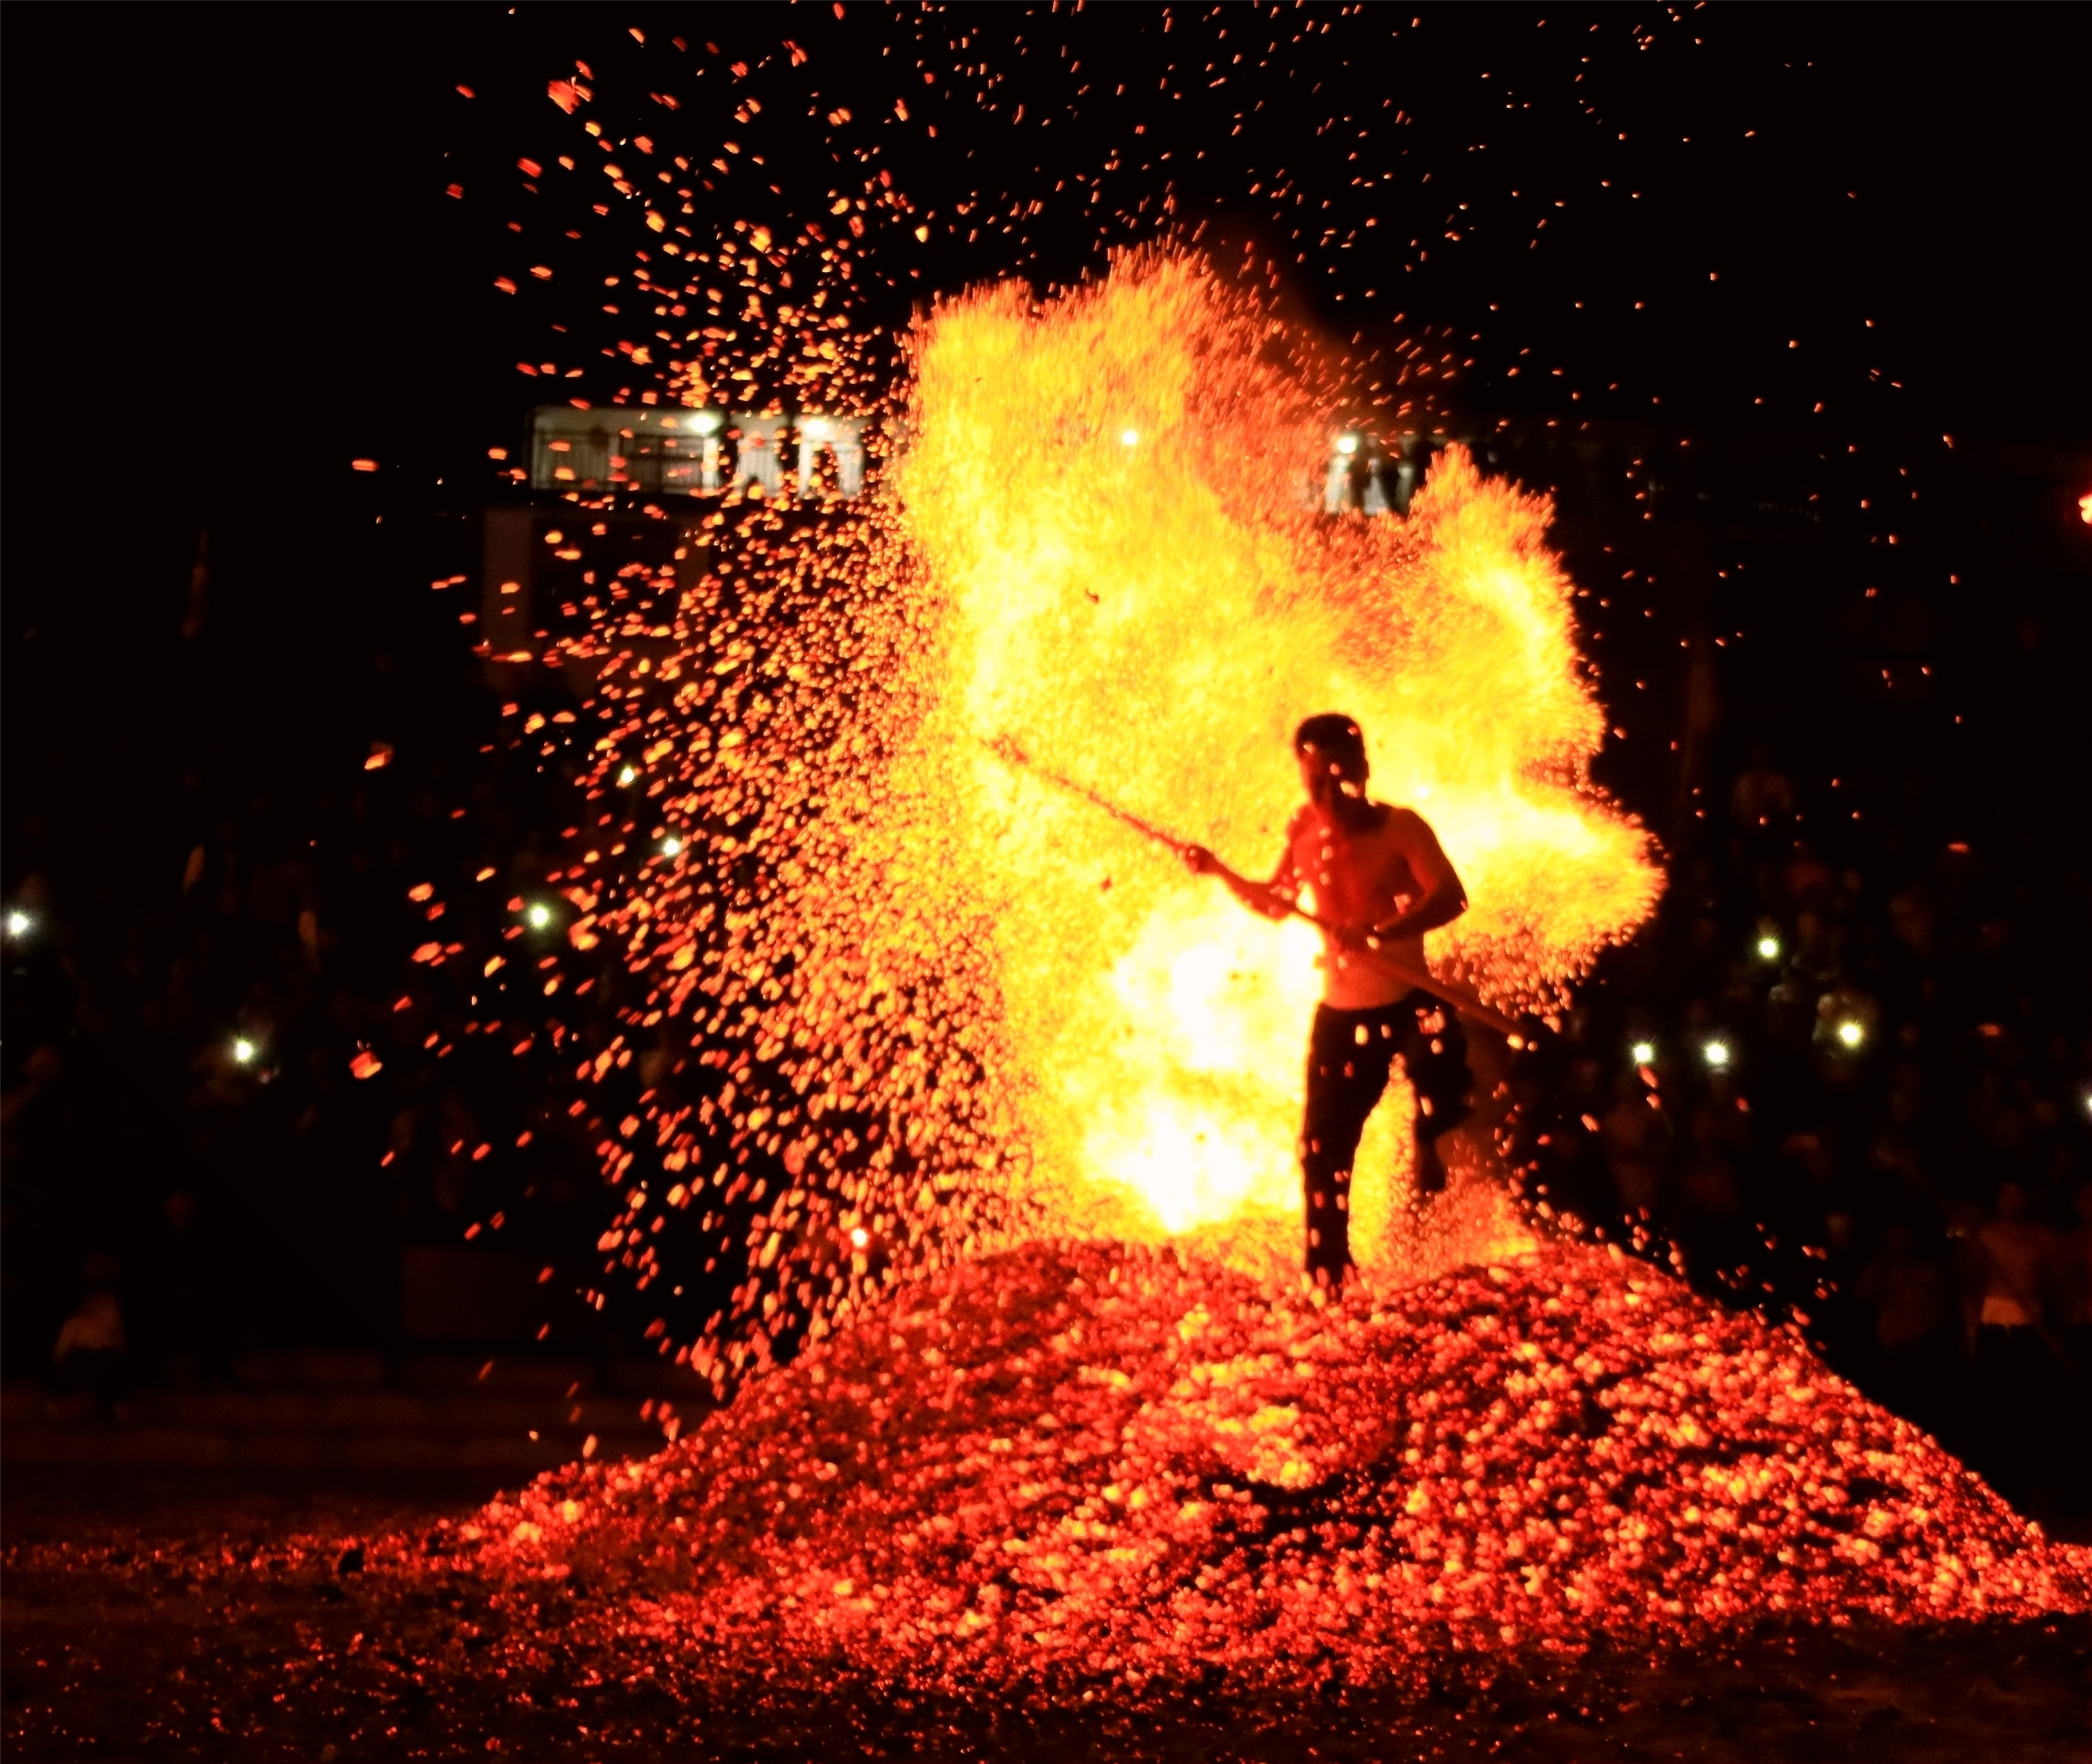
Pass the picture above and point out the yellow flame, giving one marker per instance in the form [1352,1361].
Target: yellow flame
[1153,621]
[957,1004]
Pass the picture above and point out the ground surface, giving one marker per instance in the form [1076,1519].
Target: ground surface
[177,1616]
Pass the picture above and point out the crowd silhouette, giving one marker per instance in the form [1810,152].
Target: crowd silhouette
[1842,1090]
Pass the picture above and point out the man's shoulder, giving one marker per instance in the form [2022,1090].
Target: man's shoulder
[1403,822]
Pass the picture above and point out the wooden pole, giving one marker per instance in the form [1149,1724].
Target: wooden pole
[1449,991]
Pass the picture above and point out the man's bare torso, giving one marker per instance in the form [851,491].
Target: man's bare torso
[1359,876]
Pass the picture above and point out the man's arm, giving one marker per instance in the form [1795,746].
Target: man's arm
[1273,899]
[1443,899]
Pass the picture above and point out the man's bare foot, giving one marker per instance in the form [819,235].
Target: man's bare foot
[1325,1285]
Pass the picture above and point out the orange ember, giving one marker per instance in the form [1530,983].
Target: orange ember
[1112,1465]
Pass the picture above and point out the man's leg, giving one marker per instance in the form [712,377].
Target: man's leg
[1434,1058]
[1349,1053]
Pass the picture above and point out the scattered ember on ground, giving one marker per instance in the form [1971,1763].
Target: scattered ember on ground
[1112,1468]
[214,1624]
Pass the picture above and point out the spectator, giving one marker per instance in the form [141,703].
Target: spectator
[2017,1390]
[2073,1283]
[1719,1131]
[2073,1290]
[1637,1139]
[90,1353]
[1762,796]
[1907,1293]
[2016,1254]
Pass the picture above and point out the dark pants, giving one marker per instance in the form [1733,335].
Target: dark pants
[2021,1395]
[1348,1055]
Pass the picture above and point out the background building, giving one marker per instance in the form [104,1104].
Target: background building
[643,450]
[640,451]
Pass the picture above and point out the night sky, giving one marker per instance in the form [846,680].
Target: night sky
[234,266]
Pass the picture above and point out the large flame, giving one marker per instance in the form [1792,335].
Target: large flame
[958,1003]
[1108,492]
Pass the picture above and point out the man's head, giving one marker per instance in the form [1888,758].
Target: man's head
[1332,752]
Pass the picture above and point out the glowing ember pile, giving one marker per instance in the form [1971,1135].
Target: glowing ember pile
[1105,1464]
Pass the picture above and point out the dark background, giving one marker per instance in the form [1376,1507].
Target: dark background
[232,267]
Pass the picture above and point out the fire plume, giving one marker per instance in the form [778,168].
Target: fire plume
[1108,496]
[967,1008]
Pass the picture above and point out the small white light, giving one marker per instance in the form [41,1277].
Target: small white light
[1348,443]
[671,846]
[18,923]
[540,916]
[705,422]
[1128,438]
[627,775]
[1769,948]
[243,1050]
[860,1237]
[1643,1051]
[1851,1034]
[1717,1053]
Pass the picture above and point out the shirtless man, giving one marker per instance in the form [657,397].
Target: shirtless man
[1380,880]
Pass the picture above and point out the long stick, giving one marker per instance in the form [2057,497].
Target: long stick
[1458,997]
